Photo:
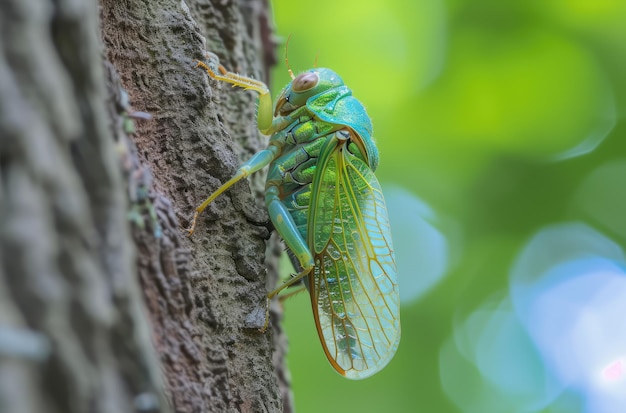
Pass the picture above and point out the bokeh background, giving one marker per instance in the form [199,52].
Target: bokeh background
[501,130]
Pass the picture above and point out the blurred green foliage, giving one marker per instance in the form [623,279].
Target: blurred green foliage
[502,116]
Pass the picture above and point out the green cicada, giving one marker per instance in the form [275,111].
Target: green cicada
[327,205]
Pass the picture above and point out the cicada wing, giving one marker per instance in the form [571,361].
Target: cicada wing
[354,292]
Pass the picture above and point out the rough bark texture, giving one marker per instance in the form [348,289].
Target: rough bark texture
[73,336]
[93,198]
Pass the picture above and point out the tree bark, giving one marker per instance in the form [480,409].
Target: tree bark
[107,145]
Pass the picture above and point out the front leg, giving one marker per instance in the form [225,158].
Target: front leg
[265,110]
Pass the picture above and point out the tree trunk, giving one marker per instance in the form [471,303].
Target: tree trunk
[107,145]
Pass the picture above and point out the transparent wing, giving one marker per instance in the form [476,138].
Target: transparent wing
[353,290]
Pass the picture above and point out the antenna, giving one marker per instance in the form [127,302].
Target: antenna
[287,57]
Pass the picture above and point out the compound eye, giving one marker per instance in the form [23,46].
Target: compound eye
[305,81]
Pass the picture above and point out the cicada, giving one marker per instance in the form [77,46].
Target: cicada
[327,205]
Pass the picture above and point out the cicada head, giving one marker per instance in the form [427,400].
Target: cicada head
[305,85]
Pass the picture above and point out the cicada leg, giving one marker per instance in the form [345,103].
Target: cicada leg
[257,162]
[264,116]
[294,279]
[282,298]
[296,290]
[288,231]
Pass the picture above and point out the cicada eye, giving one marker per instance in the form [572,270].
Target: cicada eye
[305,81]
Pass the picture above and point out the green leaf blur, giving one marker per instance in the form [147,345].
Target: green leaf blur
[504,117]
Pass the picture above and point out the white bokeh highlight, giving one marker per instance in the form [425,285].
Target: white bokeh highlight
[556,341]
